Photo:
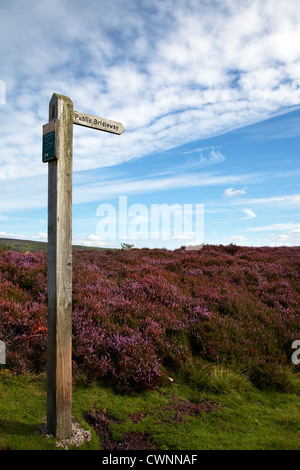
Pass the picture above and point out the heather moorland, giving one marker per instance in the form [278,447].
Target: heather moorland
[222,316]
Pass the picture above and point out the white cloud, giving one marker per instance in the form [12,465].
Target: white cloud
[90,240]
[172,73]
[207,157]
[94,238]
[291,200]
[215,157]
[24,194]
[11,235]
[230,192]
[249,213]
[288,238]
[104,190]
[182,236]
[4,234]
[42,236]
[282,240]
[238,238]
[274,227]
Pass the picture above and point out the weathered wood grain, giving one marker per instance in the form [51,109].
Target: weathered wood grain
[59,397]
[101,124]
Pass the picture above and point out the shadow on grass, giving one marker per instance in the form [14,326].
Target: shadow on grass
[18,428]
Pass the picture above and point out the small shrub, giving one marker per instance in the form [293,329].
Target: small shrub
[135,365]
[219,379]
[268,375]
[231,249]
[224,380]
[127,246]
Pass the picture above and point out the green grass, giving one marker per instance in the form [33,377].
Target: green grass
[247,418]
[21,245]
[24,246]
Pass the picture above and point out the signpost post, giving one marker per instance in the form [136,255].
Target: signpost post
[58,153]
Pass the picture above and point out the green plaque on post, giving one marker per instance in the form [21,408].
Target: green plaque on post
[49,142]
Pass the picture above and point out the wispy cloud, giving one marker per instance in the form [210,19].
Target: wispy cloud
[249,214]
[90,240]
[214,157]
[171,73]
[238,238]
[10,235]
[201,150]
[31,193]
[107,189]
[274,227]
[288,238]
[178,75]
[231,192]
[291,200]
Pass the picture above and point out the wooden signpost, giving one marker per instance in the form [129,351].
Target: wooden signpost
[58,153]
[101,124]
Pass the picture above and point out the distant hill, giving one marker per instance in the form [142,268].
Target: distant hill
[30,245]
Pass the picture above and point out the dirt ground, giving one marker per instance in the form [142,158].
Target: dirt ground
[178,410]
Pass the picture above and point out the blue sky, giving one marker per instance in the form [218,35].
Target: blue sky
[209,95]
